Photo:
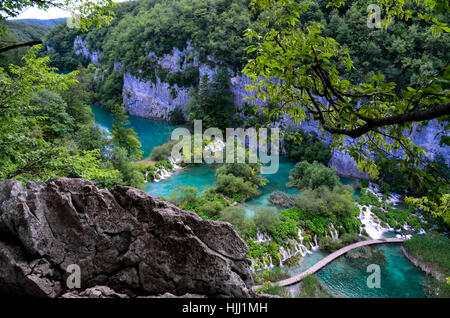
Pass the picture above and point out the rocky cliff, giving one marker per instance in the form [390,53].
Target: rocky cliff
[157,99]
[123,239]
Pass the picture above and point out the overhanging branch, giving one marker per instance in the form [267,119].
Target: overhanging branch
[428,114]
[16,46]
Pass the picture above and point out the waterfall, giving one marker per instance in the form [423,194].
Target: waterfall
[333,232]
[372,224]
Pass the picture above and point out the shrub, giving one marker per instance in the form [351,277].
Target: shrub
[164,151]
[236,187]
[326,202]
[284,230]
[164,164]
[207,204]
[236,216]
[265,218]
[312,176]
[181,196]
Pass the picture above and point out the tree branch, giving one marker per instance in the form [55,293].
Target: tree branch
[16,46]
[428,114]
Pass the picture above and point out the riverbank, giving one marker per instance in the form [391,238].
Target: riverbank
[431,254]
[426,267]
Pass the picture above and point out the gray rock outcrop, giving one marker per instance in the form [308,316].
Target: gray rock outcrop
[282,199]
[123,239]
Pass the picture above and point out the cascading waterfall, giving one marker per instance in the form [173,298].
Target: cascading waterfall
[262,237]
[333,232]
[294,247]
[163,173]
[372,224]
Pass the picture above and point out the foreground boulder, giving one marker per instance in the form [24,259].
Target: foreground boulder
[123,239]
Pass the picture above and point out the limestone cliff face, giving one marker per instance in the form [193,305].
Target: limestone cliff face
[122,239]
[157,100]
[152,100]
[79,47]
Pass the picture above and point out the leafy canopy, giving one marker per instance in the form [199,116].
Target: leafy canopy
[308,75]
[89,12]
[310,69]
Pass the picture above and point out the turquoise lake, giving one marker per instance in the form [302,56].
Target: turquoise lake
[343,277]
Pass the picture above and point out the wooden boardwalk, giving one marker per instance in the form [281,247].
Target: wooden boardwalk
[331,257]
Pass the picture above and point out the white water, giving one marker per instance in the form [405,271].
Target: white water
[293,247]
[372,223]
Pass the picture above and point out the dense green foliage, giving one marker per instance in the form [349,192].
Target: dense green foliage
[123,136]
[48,128]
[327,202]
[15,33]
[307,175]
[236,216]
[393,179]
[212,102]
[357,82]
[25,32]
[239,181]
[265,218]
[60,41]
[319,224]
[207,204]
[163,152]
[368,198]
[303,146]
[40,138]
[433,249]
[214,28]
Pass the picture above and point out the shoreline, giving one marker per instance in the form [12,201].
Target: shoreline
[425,267]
